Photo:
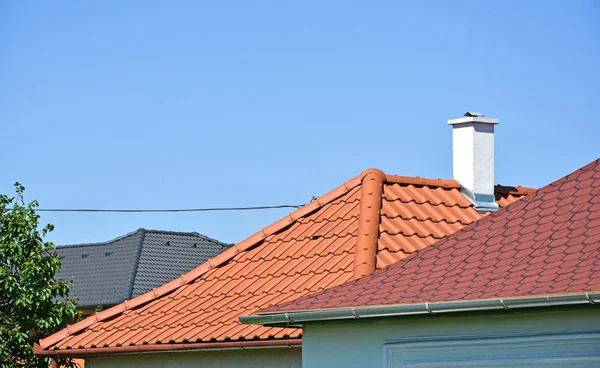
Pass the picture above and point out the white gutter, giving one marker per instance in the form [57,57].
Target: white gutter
[299,318]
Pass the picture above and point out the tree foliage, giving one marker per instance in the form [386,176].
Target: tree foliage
[33,304]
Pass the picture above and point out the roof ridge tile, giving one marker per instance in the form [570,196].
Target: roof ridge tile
[507,189]
[417,180]
[365,254]
[135,259]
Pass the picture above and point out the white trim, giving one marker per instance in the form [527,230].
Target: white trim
[296,319]
[473,119]
[494,350]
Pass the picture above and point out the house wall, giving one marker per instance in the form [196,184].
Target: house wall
[418,341]
[267,357]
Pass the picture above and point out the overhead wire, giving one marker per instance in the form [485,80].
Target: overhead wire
[208,209]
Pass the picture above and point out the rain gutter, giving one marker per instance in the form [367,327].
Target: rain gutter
[299,318]
[167,348]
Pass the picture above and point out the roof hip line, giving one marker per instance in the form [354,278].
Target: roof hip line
[141,233]
[194,274]
[365,255]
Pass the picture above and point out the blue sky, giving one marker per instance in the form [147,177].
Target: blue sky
[194,104]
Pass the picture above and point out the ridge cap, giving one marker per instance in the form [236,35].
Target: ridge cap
[509,189]
[365,250]
[372,170]
[135,263]
[94,244]
[193,234]
[451,184]
[417,180]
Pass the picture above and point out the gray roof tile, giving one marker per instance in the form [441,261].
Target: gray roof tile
[111,272]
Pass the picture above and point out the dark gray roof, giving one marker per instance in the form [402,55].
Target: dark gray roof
[112,272]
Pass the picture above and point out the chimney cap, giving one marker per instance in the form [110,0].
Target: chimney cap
[473,117]
[473,114]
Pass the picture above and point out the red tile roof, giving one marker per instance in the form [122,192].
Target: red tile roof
[369,222]
[546,244]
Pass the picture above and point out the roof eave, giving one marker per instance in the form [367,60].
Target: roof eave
[300,318]
[166,348]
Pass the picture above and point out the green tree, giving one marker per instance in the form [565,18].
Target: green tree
[33,304]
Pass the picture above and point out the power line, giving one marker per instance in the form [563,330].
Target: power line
[210,209]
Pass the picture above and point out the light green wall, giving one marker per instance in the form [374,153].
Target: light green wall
[276,358]
[360,343]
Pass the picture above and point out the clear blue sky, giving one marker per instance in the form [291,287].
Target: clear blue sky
[189,104]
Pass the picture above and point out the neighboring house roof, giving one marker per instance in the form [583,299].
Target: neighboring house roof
[369,222]
[543,250]
[109,273]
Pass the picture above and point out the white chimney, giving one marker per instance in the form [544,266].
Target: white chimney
[473,158]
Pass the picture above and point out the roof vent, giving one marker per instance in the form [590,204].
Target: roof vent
[473,158]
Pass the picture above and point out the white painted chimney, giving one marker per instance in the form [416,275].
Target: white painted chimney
[473,158]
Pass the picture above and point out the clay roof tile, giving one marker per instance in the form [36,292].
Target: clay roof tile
[311,249]
[495,257]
